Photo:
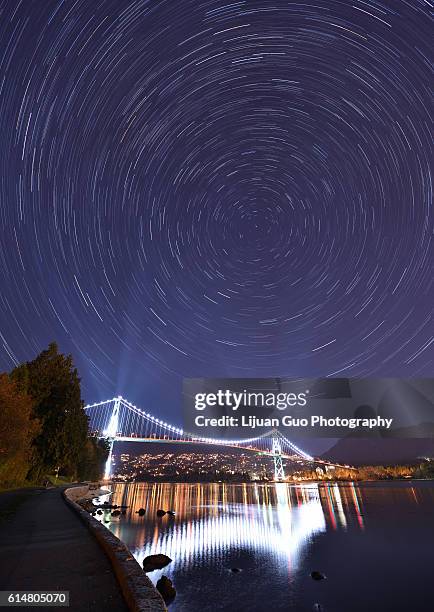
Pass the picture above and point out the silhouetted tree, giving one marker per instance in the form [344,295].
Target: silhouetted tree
[54,386]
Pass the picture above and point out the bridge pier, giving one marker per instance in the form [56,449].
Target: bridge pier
[111,433]
[279,472]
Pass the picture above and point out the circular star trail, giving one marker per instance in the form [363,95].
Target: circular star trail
[216,188]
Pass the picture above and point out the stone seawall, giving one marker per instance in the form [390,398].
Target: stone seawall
[137,589]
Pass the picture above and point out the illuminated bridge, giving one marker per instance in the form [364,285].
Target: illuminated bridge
[120,421]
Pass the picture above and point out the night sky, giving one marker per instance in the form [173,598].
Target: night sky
[216,188]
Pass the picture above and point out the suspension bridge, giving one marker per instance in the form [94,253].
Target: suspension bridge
[118,420]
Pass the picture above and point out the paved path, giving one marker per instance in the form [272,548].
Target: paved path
[45,546]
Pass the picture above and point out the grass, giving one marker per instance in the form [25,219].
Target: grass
[18,485]
[59,480]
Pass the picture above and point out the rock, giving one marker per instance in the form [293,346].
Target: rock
[141,511]
[116,512]
[161,512]
[235,570]
[170,512]
[166,588]
[317,575]
[154,562]
[88,506]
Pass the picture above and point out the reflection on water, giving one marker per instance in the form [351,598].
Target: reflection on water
[268,531]
[277,519]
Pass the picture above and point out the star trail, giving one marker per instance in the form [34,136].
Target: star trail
[216,188]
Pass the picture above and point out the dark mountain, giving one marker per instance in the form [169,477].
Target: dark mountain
[380,451]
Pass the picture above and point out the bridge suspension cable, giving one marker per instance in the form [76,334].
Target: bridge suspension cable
[119,420]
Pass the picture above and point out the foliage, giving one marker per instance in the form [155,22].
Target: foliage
[18,427]
[43,427]
[368,472]
[53,383]
[425,469]
[93,458]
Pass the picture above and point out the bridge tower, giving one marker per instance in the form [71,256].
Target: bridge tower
[279,472]
[110,433]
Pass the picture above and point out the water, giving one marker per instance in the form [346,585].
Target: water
[373,541]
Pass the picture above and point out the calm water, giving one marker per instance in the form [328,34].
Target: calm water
[374,542]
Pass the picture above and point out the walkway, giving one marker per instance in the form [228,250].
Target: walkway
[45,546]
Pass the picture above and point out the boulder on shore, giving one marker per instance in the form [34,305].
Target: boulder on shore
[166,588]
[154,562]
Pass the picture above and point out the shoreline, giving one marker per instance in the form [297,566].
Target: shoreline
[270,482]
[137,589]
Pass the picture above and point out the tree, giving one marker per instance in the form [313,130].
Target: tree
[54,386]
[18,427]
[93,458]
[40,405]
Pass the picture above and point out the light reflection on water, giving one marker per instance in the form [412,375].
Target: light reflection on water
[266,530]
